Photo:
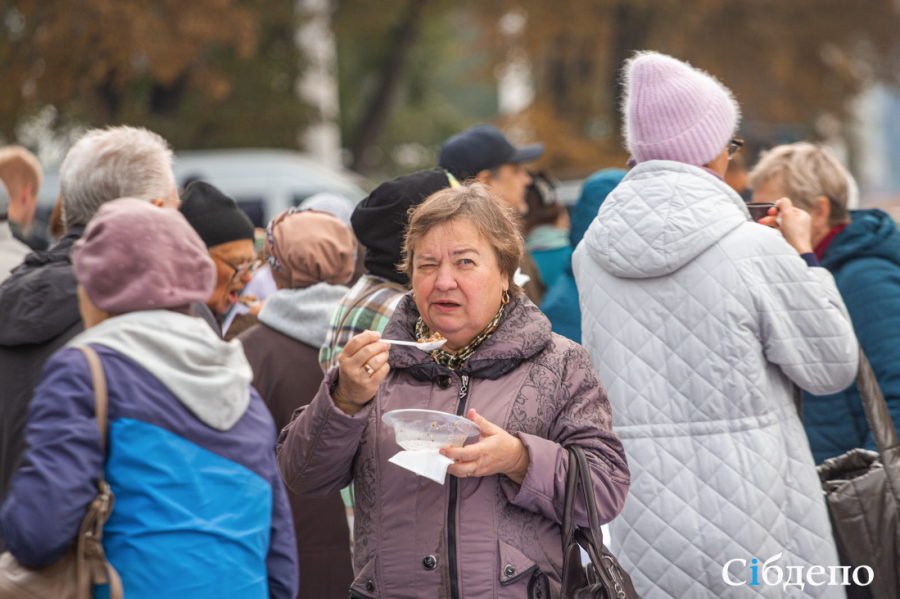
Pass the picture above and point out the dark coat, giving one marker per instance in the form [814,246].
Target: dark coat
[865,261]
[287,375]
[39,308]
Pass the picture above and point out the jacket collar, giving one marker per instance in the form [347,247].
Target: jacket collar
[823,245]
[61,252]
[871,234]
[524,332]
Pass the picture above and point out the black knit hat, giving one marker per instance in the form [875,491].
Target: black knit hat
[380,221]
[216,217]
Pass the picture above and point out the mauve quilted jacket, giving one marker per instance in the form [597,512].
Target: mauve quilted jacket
[700,322]
[411,533]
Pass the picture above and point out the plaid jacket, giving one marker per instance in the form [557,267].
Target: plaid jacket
[368,306]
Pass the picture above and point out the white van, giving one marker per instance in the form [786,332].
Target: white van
[262,181]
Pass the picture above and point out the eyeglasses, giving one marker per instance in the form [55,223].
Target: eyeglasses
[240,271]
[734,147]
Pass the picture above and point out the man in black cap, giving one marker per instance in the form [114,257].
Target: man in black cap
[228,235]
[380,223]
[483,153]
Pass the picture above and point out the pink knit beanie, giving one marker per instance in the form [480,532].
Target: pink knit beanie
[134,256]
[673,111]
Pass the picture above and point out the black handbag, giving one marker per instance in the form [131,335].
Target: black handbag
[603,578]
[862,491]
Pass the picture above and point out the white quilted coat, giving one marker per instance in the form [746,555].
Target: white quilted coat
[697,320]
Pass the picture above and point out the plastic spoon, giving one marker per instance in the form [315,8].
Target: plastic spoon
[423,345]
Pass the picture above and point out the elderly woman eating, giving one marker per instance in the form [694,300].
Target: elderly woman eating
[494,529]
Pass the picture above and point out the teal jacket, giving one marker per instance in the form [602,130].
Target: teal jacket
[560,303]
[865,261]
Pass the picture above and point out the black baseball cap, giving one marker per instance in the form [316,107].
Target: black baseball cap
[483,147]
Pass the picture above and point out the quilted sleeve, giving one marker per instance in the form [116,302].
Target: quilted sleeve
[803,323]
[316,450]
[583,417]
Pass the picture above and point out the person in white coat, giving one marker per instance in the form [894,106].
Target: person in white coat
[12,251]
[700,323]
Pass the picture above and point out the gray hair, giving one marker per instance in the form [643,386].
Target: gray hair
[806,171]
[112,163]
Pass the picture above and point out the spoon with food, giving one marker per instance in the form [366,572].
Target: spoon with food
[427,344]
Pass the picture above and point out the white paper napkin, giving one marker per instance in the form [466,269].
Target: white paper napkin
[428,463]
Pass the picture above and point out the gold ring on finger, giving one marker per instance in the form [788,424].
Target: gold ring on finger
[368,369]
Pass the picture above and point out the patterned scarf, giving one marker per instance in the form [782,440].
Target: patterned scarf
[454,361]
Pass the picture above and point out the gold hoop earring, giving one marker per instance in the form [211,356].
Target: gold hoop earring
[504,299]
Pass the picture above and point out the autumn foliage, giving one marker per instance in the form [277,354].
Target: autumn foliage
[222,73]
[167,64]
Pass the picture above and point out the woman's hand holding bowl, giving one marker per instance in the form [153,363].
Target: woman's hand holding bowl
[496,452]
[363,365]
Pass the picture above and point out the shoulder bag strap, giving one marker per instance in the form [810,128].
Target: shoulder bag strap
[880,422]
[587,489]
[573,577]
[606,569]
[90,533]
[591,536]
[101,407]
[568,525]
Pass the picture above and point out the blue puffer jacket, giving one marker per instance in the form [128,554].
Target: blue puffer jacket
[200,507]
[560,303]
[865,261]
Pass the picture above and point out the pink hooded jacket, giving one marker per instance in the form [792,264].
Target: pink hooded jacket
[472,538]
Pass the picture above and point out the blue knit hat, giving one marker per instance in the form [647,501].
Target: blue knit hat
[593,192]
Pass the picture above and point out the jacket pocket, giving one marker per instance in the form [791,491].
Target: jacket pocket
[515,566]
[366,584]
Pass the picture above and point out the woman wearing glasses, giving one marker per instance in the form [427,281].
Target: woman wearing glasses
[228,235]
[701,322]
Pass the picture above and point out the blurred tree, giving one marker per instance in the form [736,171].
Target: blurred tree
[203,73]
[787,62]
[401,38]
[406,87]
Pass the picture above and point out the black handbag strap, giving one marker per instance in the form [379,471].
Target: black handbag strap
[590,537]
[580,471]
[880,423]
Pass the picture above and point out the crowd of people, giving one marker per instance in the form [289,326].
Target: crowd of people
[656,325]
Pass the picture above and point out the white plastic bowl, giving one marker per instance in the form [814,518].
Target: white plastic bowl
[420,430]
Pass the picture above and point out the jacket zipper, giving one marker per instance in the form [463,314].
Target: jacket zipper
[451,505]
